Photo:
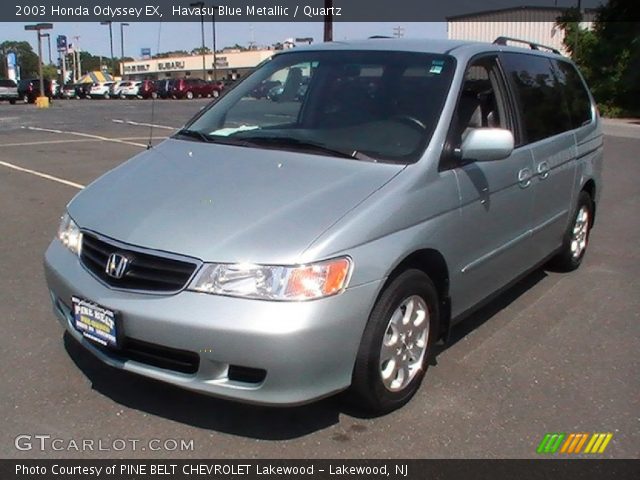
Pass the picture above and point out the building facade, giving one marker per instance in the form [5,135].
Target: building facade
[534,24]
[229,65]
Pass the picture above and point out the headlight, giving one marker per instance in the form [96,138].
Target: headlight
[302,282]
[69,234]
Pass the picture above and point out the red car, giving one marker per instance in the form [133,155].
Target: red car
[194,88]
[148,89]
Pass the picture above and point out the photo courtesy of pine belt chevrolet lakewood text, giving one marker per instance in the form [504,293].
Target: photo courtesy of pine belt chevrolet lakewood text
[324,234]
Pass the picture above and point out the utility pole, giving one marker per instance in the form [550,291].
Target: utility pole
[328,21]
[398,31]
[76,53]
[122,25]
[213,32]
[110,24]
[200,5]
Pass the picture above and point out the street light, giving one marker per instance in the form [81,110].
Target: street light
[204,59]
[109,22]
[122,25]
[42,101]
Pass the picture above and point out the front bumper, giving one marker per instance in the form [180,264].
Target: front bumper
[308,349]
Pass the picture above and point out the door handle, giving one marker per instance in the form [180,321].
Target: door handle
[524,177]
[543,170]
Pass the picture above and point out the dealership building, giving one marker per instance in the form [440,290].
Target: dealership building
[230,64]
[534,24]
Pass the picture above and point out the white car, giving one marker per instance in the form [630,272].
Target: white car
[101,90]
[131,90]
[116,88]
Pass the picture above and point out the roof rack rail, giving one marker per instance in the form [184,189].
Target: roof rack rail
[532,45]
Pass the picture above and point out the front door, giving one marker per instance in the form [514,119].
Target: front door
[496,197]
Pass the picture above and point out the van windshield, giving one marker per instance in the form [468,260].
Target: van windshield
[379,105]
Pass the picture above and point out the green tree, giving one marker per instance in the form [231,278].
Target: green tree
[50,72]
[608,55]
[27,60]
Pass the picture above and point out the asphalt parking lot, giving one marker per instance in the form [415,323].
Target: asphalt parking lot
[556,353]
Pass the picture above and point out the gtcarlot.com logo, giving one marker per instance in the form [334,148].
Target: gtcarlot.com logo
[574,443]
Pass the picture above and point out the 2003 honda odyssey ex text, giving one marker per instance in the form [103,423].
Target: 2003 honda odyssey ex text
[276,251]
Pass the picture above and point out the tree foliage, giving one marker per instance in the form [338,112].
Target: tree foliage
[608,55]
[26,58]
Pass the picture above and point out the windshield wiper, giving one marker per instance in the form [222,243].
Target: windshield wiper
[194,134]
[305,145]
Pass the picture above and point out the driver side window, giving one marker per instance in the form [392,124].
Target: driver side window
[482,102]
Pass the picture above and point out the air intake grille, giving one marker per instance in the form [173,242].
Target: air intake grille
[145,272]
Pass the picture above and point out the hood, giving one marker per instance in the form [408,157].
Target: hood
[225,203]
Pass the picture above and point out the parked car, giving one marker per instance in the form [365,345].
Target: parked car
[131,90]
[280,253]
[195,88]
[101,90]
[163,88]
[116,88]
[148,89]
[8,91]
[29,89]
[70,90]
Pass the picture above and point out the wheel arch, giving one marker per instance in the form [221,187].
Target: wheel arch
[433,264]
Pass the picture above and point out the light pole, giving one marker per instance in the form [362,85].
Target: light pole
[213,32]
[204,58]
[49,43]
[122,25]
[42,101]
[110,23]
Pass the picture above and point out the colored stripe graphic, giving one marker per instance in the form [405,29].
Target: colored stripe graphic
[572,443]
[550,443]
[598,442]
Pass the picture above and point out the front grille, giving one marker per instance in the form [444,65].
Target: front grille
[145,272]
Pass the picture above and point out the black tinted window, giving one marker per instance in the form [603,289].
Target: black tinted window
[575,93]
[7,83]
[542,106]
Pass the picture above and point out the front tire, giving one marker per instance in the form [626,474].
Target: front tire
[396,343]
[576,237]
[189,95]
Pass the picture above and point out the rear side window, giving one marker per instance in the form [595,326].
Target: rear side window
[542,104]
[575,93]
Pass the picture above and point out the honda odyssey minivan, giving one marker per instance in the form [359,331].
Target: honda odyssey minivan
[280,252]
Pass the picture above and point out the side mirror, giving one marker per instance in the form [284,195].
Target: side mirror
[486,144]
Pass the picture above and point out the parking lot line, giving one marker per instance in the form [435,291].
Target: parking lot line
[42,175]
[47,142]
[87,135]
[139,124]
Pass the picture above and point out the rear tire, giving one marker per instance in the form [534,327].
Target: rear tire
[12,102]
[576,238]
[396,343]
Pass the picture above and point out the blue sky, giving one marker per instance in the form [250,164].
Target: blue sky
[186,36]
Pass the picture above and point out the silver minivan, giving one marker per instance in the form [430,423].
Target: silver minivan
[280,249]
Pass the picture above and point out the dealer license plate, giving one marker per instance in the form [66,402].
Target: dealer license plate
[95,322]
